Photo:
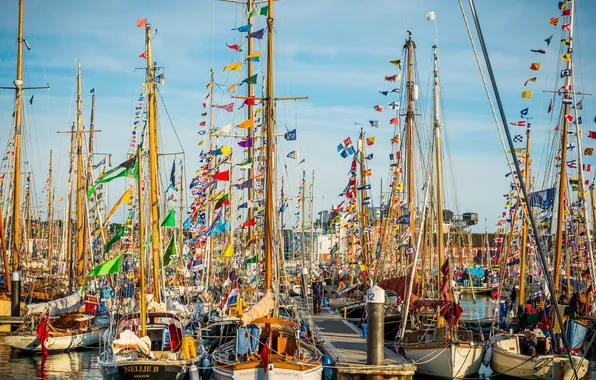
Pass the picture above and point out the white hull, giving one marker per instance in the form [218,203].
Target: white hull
[29,342]
[507,359]
[445,360]
[272,373]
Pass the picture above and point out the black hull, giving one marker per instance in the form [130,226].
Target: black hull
[145,370]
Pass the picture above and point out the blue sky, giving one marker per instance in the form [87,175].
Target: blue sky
[335,52]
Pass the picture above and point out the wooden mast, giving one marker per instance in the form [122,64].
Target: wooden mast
[141,242]
[87,179]
[269,123]
[410,140]
[152,121]
[593,206]
[250,131]
[211,209]
[439,165]
[312,217]
[524,238]
[50,216]
[563,173]
[363,207]
[80,195]
[180,224]
[303,235]
[27,234]
[18,117]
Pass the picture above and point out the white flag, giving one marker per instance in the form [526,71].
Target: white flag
[431,16]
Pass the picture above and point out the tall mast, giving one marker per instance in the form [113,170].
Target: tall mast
[250,111]
[141,241]
[180,225]
[524,238]
[231,200]
[50,216]
[563,173]
[18,117]
[410,139]
[87,179]
[303,235]
[80,196]
[270,123]
[439,164]
[211,210]
[363,208]
[152,118]
[312,219]
[28,221]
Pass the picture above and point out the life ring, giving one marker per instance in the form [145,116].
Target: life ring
[189,348]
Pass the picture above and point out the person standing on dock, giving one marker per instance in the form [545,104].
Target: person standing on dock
[317,295]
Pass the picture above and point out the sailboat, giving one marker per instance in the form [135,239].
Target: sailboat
[150,344]
[448,351]
[283,354]
[532,354]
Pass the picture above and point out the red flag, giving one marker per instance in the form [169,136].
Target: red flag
[550,106]
[566,27]
[591,134]
[222,176]
[587,167]
[204,104]
[143,55]
[566,12]
[43,332]
[394,121]
[378,108]
[391,78]
[233,47]
[141,23]
[248,223]
[202,124]
[265,356]
[445,281]
[569,118]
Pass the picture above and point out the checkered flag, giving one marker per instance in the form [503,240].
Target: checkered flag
[518,138]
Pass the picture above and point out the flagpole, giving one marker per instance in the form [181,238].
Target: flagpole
[410,141]
[50,219]
[211,210]
[363,208]
[79,147]
[524,238]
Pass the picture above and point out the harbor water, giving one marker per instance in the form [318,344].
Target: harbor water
[83,364]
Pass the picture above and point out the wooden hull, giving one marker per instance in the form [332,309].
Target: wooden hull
[145,370]
[56,342]
[445,360]
[507,359]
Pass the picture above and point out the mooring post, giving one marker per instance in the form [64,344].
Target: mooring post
[375,311]
[15,287]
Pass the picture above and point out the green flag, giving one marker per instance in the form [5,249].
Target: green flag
[170,251]
[225,199]
[334,250]
[170,220]
[113,240]
[252,260]
[111,266]
[264,11]
[119,171]
[250,80]
[245,163]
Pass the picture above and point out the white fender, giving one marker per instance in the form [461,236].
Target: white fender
[488,356]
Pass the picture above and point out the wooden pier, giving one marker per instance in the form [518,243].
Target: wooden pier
[347,348]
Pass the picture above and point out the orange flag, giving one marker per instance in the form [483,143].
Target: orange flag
[247,123]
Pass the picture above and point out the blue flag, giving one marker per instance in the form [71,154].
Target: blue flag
[543,198]
[290,135]
[244,28]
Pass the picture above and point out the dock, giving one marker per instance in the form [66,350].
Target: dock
[346,347]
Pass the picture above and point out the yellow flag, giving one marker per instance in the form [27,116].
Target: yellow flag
[563,5]
[400,186]
[256,54]
[201,142]
[566,41]
[247,123]
[234,66]
[527,94]
[225,150]
[229,252]
[258,111]
[566,57]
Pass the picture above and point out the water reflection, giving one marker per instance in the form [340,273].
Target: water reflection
[72,365]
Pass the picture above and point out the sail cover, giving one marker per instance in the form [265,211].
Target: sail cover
[59,306]
[259,310]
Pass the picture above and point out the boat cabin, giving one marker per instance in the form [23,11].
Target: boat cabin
[163,329]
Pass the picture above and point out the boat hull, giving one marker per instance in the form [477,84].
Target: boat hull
[507,360]
[143,369]
[258,373]
[55,343]
[444,360]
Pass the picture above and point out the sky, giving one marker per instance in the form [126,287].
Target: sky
[335,52]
